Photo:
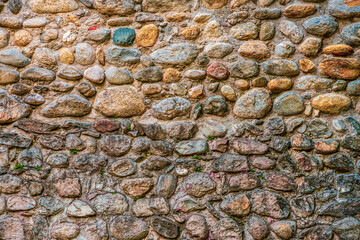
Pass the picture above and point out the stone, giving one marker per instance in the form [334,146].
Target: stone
[58,86]
[267,31]
[338,50]
[340,208]
[187,204]
[22,38]
[213,29]
[137,187]
[279,85]
[303,206]
[123,36]
[66,56]
[257,227]
[218,49]
[351,142]
[340,68]
[84,54]
[254,49]
[52,142]
[118,76]
[341,10]
[189,147]
[79,208]
[318,128]
[262,163]
[114,102]
[4,37]
[36,126]
[310,47]
[149,74]
[115,145]
[284,229]
[228,92]
[111,7]
[281,68]
[284,49]
[165,227]
[128,227]
[50,206]
[170,108]
[38,74]
[12,228]
[181,130]
[218,71]
[11,22]
[161,6]
[321,26]
[109,203]
[95,74]
[45,58]
[291,31]
[68,187]
[245,69]
[299,10]
[8,75]
[306,65]
[190,32]
[14,58]
[238,206]
[10,184]
[123,167]
[35,22]
[312,82]
[166,185]
[67,106]
[226,228]
[175,54]
[289,103]
[62,6]
[64,231]
[150,206]
[340,162]
[347,228]
[319,232]
[350,34]
[196,227]
[267,13]
[280,182]
[147,36]
[122,56]
[215,106]
[197,92]
[70,73]
[58,160]
[11,109]
[248,146]
[269,204]
[49,35]
[353,88]
[245,31]
[230,163]
[327,146]
[331,103]
[214,4]
[198,184]
[256,103]
[99,35]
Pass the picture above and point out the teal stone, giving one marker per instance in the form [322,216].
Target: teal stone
[124,36]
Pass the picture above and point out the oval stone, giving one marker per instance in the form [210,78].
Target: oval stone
[289,103]
[67,106]
[170,108]
[331,103]
[175,54]
[256,103]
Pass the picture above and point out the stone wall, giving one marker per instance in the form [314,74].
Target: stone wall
[179,119]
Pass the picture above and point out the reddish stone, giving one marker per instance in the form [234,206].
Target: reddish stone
[106,125]
[302,142]
[68,187]
[280,182]
[304,162]
[326,146]
[219,145]
[249,146]
[218,71]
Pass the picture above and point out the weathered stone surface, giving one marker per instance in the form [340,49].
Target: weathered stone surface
[79,209]
[218,49]
[128,227]
[280,182]
[113,204]
[122,56]
[321,26]
[255,103]
[11,109]
[331,103]
[226,228]
[67,106]
[175,54]
[281,68]
[150,206]
[14,58]
[340,10]
[291,31]
[198,184]
[62,6]
[165,227]
[68,187]
[249,146]
[289,103]
[269,204]
[340,208]
[245,31]
[299,10]
[245,69]
[12,228]
[170,108]
[254,49]
[65,230]
[340,68]
[238,205]
[119,102]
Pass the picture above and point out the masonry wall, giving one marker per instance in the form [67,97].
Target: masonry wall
[181,119]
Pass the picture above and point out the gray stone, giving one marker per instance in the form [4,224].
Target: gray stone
[45,58]
[245,69]
[128,227]
[289,103]
[86,89]
[50,205]
[170,108]
[339,9]
[122,56]
[84,54]
[14,58]
[351,35]
[340,162]
[216,106]
[186,148]
[113,7]
[58,86]
[12,228]
[118,76]
[115,145]
[269,204]
[312,82]
[291,31]
[175,54]
[95,74]
[321,26]
[70,73]
[267,13]
[11,109]
[4,37]
[281,68]
[256,103]
[257,227]
[122,168]
[165,227]
[99,35]
[111,204]
[14,140]
[218,49]
[347,228]
[304,206]
[58,160]
[181,130]
[79,208]
[166,185]
[67,106]
[230,163]
[284,49]
[226,228]
[197,227]
[245,31]
[353,88]
[149,74]
[8,75]
[198,184]
[38,74]
[319,128]
[340,207]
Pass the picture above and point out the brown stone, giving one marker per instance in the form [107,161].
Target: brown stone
[106,125]
[327,146]
[66,55]
[218,71]
[137,187]
[171,75]
[238,205]
[197,92]
[280,182]
[191,32]
[68,187]
[306,65]
[331,103]
[214,4]
[147,36]
[254,49]
[228,92]
[340,68]
[242,84]
[310,47]
[22,38]
[338,50]
[279,85]
[299,10]
[177,17]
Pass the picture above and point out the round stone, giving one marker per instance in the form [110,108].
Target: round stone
[171,75]
[120,102]
[190,32]
[228,92]
[254,49]
[147,36]
[22,38]
[279,85]
[218,71]
[124,36]
[84,54]
[95,74]
[256,103]
[245,31]
[118,76]
[289,103]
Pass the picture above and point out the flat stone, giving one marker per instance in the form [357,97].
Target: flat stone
[321,26]
[340,208]
[8,75]
[67,106]
[118,76]
[115,145]
[186,148]
[257,227]
[340,68]
[280,182]
[289,103]
[120,56]
[245,31]
[254,49]
[11,109]
[238,206]
[301,142]
[14,58]
[58,160]
[218,71]
[53,142]
[123,36]
[95,74]
[281,68]
[170,108]
[310,47]
[68,187]
[10,184]
[198,184]
[269,204]
[114,102]
[248,146]
[292,31]
[4,37]
[284,229]
[331,103]
[165,227]
[128,227]
[218,49]
[99,35]
[175,54]
[267,31]
[14,140]
[284,49]
[351,35]
[64,230]
[35,22]
[340,162]
[137,187]
[255,103]
[84,54]
[267,13]
[70,73]
[230,163]
[146,207]
[245,69]
[38,74]
[123,167]
[109,203]
[279,85]
[347,228]
[163,6]
[327,146]
[226,228]
[338,50]
[61,6]
[149,74]
[79,208]
[299,10]
[188,204]
[312,82]
[339,9]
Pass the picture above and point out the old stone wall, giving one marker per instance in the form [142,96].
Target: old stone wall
[179,119]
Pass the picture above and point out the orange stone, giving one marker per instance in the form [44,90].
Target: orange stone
[22,38]
[191,32]
[242,84]
[338,50]
[177,17]
[340,68]
[331,103]
[279,85]
[299,10]
[306,65]
[197,92]
[147,36]
[171,75]
[254,49]
[214,4]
